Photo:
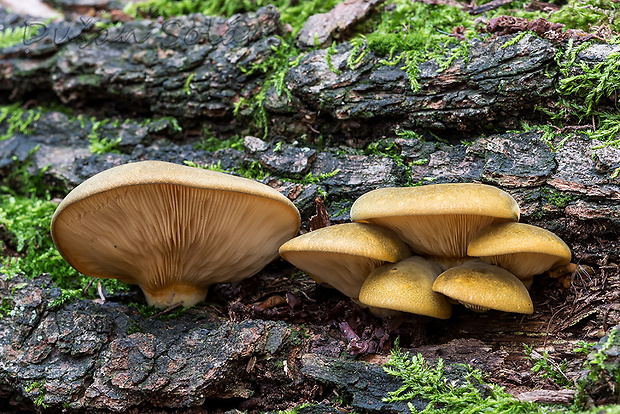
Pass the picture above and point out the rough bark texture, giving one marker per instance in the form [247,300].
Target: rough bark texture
[239,354]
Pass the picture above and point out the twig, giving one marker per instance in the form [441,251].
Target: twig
[167,310]
[548,396]
[492,5]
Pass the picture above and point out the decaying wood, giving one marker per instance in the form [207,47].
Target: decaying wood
[564,397]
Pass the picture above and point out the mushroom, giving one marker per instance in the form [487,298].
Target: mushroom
[343,255]
[436,220]
[406,286]
[481,286]
[522,249]
[174,230]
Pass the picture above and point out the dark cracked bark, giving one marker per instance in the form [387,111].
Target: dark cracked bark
[193,67]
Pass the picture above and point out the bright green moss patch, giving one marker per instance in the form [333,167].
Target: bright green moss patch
[292,12]
[274,67]
[463,391]
[589,14]
[27,248]
[13,36]
[408,33]
[460,388]
[17,119]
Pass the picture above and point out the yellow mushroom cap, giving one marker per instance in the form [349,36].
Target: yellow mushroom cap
[406,286]
[172,229]
[343,255]
[483,286]
[436,220]
[522,249]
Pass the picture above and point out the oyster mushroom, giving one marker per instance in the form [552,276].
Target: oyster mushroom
[522,249]
[342,256]
[171,229]
[406,286]
[481,286]
[436,220]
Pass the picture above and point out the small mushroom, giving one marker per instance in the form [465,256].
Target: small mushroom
[522,249]
[406,286]
[172,229]
[481,286]
[343,255]
[436,220]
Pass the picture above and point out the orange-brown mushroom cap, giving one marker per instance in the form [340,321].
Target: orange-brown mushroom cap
[436,220]
[343,255]
[172,229]
[522,249]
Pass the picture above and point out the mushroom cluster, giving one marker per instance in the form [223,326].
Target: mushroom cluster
[467,243]
[173,230]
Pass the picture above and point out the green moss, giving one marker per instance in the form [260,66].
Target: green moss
[292,12]
[557,198]
[5,307]
[587,91]
[587,14]
[187,86]
[467,392]
[211,143]
[330,52]
[516,39]
[273,67]
[545,367]
[408,33]
[101,144]
[25,217]
[593,83]
[39,388]
[13,36]
[17,119]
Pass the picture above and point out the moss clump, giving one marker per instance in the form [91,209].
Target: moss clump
[462,390]
[26,211]
[12,36]
[292,12]
[589,14]
[274,67]
[17,119]
[408,33]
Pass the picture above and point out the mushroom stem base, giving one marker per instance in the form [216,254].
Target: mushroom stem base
[173,294]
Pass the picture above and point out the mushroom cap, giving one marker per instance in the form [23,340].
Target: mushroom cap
[172,229]
[343,255]
[522,249]
[482,286]
[436,220]
[406,286]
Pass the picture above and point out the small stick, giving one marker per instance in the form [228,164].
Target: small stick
[489,6]
[167,310]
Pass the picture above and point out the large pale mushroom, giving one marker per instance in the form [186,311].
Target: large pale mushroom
[481,286]
[343,255]
[172,229]
[406,286]
[436,220]
[522,249]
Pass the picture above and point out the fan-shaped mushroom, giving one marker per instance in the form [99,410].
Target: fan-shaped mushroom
[343,255]
[172,229]
[436,220]
[406,286]
[522,249]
